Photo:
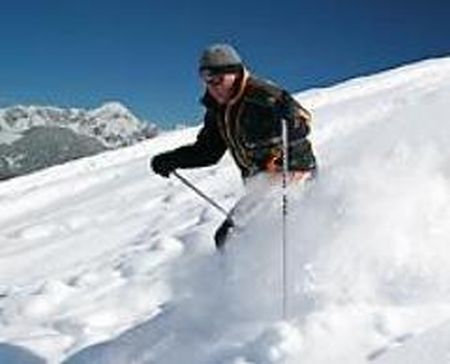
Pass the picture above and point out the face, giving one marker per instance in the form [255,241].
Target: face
[220,86]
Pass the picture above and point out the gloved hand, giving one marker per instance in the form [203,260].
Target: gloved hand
[164,164]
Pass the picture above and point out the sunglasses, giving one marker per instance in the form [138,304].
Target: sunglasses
[212,79]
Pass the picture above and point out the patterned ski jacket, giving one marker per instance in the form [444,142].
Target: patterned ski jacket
[249,126]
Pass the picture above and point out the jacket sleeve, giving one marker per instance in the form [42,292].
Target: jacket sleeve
[207,150]
[301,155]
[299,119]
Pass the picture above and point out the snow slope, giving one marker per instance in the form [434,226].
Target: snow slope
[430,347]
[103,262]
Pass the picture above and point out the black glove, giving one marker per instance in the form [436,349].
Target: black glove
[164,164]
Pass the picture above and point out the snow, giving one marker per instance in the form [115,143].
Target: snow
[9,138]
[103,262]
[12,354]
[431,347]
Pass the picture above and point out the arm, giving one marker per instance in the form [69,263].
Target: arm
[299,119]
[301,155]
[207,150]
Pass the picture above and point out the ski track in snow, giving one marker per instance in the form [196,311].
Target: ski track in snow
[103,262]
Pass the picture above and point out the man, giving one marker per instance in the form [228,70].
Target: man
[243,115]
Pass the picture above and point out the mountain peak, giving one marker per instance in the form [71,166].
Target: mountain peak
[113,107]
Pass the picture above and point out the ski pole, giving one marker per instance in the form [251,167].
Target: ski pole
[284,215]
[203,195]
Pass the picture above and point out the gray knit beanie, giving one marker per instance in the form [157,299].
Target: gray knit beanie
[220,58]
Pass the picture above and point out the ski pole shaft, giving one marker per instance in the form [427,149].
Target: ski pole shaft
[202,194]
[284,215]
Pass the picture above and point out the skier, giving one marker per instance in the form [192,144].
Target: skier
[243,115]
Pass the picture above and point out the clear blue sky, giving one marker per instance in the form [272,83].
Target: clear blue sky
[144,53]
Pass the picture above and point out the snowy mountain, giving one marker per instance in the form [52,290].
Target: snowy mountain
[103,262]
[32,138]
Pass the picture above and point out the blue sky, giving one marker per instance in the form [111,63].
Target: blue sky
[144,53]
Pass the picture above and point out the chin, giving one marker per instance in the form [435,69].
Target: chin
[224,99]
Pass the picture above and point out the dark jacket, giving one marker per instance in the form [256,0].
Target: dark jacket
[250,127]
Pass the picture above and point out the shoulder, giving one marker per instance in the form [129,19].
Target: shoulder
[262,92]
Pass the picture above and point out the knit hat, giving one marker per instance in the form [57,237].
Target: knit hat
[220,58]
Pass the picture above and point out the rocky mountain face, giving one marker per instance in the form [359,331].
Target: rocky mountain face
[32,137]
